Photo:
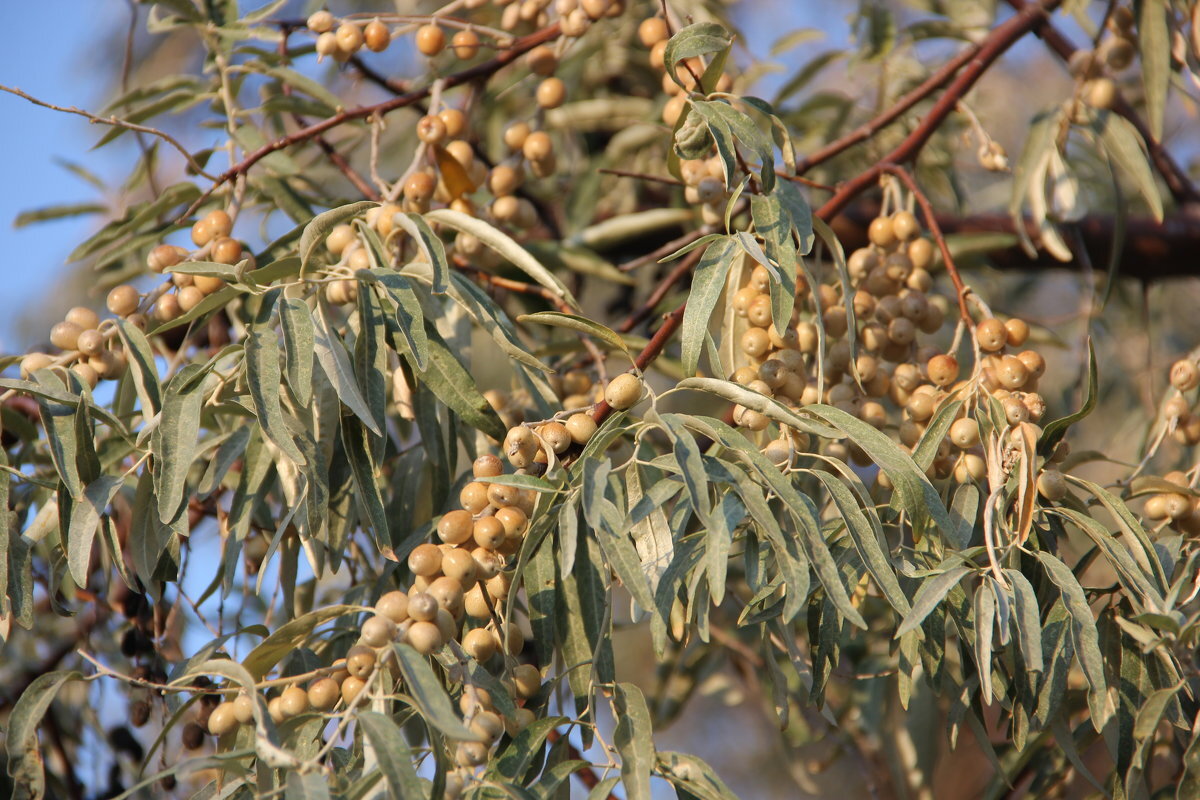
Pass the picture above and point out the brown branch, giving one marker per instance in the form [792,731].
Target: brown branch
[1001,38]
[336,158]
[587,776]
[1174,176]
[519,47]
[640,314]
[868,129]
[935,230]
[641,176]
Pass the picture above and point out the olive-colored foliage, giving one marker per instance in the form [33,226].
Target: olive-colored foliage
[350,492]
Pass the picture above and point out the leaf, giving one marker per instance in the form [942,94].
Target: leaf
[1083,633]
[174,441]
[393,753]
[295,319]
[699,39]
[265,382]
[1154,41]
[428,695]
[927,598]
[455,387]
[331,355]
[365,471]
[142,367]
[736,393]
[85,518]
[21,740]
[506,246]
[306,786]
[289,637]
[634,741]
[315,231]
[409,319]
[595,329]
[1123,145]
[1027,620]
[526,746]
[917,494]
[708,281]
[64,211]
[435,252]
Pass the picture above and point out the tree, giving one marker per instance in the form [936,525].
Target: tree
[400,421]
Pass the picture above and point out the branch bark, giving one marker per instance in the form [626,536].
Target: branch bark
[1173,175]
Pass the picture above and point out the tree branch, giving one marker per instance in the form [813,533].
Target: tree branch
[998,41]
[1177,180]
[519,48]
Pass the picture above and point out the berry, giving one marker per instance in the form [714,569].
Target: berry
[755,342]
[223,719]
[226,250]
[378,631]
[431,129]
[513,519]
[537,146]
[905,226]
[502,496]
[487,466]
[424,637]
[964,433]
[528,680]
[1185,375]
[321,22]
[652,31]
[293,702]
[1016,331]
[243,709]
[123,300]
[881,232]
[83,317]
[327,45]
[65,335]
[624,391]
[425,560]
[351,687]
[377,36]
[166,308]
[458,564]
[90,342]
[422,607]
[556,436]
[991,335]
[465,44]
[430,40]
[393,605]
[542,60]
[473,497]
[340,238]
[504,180]
[489,533]
[360,660]
[455,527]
[1052,485]
[349,38]
[324,693]
[551,93]
[420,186]
[454,120]
[479,644]
[516,135]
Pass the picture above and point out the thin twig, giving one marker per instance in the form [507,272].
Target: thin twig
[116,123]
[936,231]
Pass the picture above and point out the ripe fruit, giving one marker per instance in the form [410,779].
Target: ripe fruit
[324,693]
[1052,485]
[537,146]
[189,297]
[542,60]
[425,560]
[1185,375]
[293,702]
[991,335]
[123,300]
[349,38]
[905,225]
[624,391]
[964,433]
[83,317]
[422,607]
[166,308]
[516,135]
[551,93]
[431,129]
[528,680]
[327,45]
[243,709]
[393,605]
[479,644]
[503,496]
[581,427]
[65,335]
[420,185]
[320,22]
[424,637]
[487,466]
[652,30]
[351,687]
[377,36]
[226,250]
[430,40]
[881,232]
[504,180]
[513,519]
[473,497]
[556,436]
[1017,331]
[465,44]
[360,660]
[90,342]
[165,256]
[378,631]
[455,527]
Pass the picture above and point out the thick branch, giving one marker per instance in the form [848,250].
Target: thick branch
[1177,180]
[998,41]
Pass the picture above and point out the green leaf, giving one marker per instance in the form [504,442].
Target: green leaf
[295,319]
[288,637]
[315,231]
[332,356]
[917,494]
[306,786]
[59,421]
[1154,41]
[514,761]
[455,387]
[692,777]
[428,695]
[700,39]
[435,252]
[1083,633]
[595,329]
[174,441]
[1054,431]
[21,739]
[393,753]
[142,367]
[265,382]
[736,393]
[927,598]
[634,740]
[708,282]
[64,211]
[1123,145]
[85,518]
[1027,620]
[365,471]
[506,246]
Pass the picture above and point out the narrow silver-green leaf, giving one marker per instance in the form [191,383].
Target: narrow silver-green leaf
[393,754]
[634,741]
[332,356]
[707,283]
[927,598]
[428,695]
